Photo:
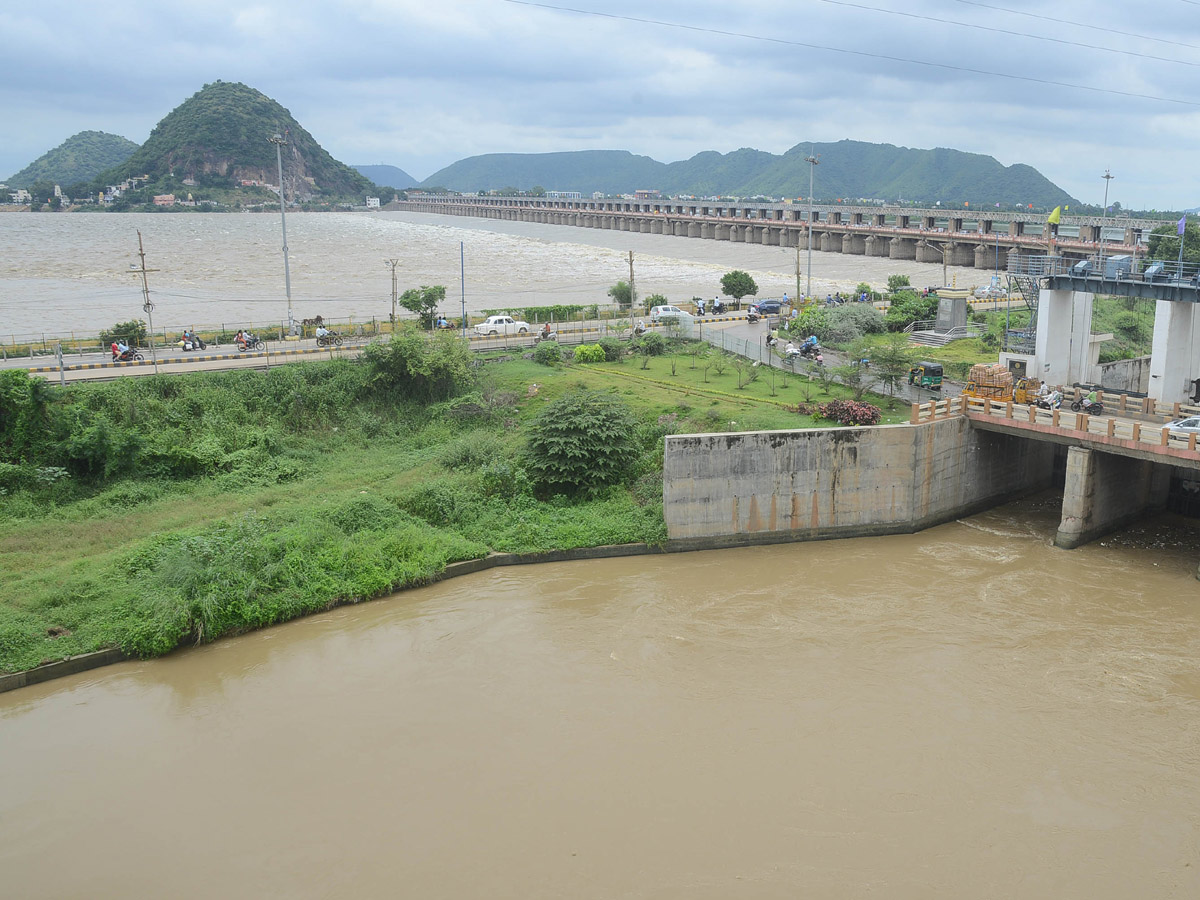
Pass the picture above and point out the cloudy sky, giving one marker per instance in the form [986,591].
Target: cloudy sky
[1072,88]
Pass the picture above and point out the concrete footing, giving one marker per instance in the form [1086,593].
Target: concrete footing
[1104,492]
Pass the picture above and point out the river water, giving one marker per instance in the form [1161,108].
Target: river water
[64,273]
[962,713]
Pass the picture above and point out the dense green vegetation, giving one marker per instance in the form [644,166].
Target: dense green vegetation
[848,169]
[146,513]
[220,134]
[77,159]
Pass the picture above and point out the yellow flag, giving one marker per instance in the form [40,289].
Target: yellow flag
[1055,217]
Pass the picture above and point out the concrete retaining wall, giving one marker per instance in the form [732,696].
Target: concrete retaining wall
[1126,375]
[845,482]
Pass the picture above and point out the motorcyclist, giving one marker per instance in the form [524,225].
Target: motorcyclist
[1090,400]
[322,331]
[699,307]
[116,351]
[545,331]
[122,349]
[640,328]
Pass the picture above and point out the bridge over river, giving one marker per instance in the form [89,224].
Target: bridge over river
[985,239]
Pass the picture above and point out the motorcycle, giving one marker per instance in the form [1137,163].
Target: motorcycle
[545,336]
[332,339]
[1092,409]
[752,316]
[192,343]
[128,356]
[1049,401]
[718,308]
[250,342]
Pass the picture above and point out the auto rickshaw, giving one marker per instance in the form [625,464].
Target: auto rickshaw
[927,375]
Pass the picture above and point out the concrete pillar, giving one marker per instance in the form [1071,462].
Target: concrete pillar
[694,230]
[854,243]
[902,248]
[1053,353]
[1173,351]
[877,245]
[721,232]
[1104,492]
[830,242]
[1081,340]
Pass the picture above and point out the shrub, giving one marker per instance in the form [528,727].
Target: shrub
[589,353]
[848,412]
[581,442]
[420,367]
[652,344]
[844,324]
[132,332]
[907,308]
[614,349]
[548,353]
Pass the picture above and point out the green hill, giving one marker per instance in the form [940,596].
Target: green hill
[78,158]
[847,169]
[219,138]
[387,176]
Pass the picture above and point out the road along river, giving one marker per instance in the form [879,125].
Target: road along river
[966,712]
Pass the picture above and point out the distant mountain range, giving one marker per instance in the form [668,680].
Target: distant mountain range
[846,170]
[388,176]
[78,158]
[217,140]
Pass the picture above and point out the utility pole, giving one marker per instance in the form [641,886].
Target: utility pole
[1107,176]
[798,303]
[148,306]
[393,263]
[279,141]
[631,291]
[813,162]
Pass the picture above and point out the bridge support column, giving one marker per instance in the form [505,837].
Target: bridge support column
[1172,359]
[1104,491]
[1053,360]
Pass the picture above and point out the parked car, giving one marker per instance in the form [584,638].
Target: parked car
[990,293]
[502,325]
[768,307]
[1185,426]
[659,313]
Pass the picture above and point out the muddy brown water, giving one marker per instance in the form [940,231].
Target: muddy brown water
[961,713]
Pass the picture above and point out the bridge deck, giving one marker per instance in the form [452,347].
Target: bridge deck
[1110,434]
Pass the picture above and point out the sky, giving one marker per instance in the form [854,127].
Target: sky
[1072,88]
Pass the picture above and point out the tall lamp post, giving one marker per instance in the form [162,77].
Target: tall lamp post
[1107,176]
[278,141]
[813,162]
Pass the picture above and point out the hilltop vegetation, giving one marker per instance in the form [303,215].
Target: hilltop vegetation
[848,169]
[220,136]
[78,158]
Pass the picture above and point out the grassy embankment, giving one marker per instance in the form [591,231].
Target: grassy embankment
[150,513]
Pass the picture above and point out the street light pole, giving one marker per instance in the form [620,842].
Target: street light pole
[813,162]
[393,263]
[1107,176]
[278,141]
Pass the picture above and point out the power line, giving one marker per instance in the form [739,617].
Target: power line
[1008,32]
[1117,31]
[863,53]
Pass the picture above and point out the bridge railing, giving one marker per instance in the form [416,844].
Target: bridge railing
[1150,433]
[943,408]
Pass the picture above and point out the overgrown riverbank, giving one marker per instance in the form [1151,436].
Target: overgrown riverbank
[148,513]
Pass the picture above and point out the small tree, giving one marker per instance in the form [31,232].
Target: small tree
[581,442]
[892,359]
[424,301]
[738,284]
[622,295]
[897,283]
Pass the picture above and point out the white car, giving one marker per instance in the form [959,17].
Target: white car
[1185,426]
[502,325]
[990,293]
[659,313]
